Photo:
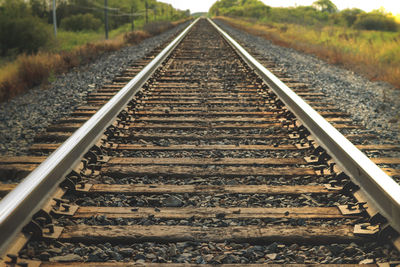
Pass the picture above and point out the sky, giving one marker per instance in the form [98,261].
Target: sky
[392,6]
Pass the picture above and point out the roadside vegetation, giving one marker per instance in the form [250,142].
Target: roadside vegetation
[368,43]
[31,55]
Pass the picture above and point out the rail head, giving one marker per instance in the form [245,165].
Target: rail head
[379,188]
[17,207]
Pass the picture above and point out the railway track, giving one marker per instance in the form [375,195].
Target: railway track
[204,164]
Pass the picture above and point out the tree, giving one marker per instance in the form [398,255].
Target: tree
[20,32]
[39,8]
[325,6]
[81,22]
[350,15]
[376,21]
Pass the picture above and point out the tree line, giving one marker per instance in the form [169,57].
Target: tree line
[321,12]
[25,25]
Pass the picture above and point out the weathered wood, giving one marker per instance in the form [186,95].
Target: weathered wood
[195,90]
[206,161]
[200,98]
[378,147]
[201,94]
[148,264]
[21,160]
[362,136]
[391,171]
[80,119]
[202,102]
[16,170]
[5,188]
[202,125]
[203,147]
[43,147]
[204,113]
[133,189]
[310,94]
[95,108]
[324,107]
[239,234]
[319,103]
[202,137]
[177,119]
[339,120]
[64,127]
[209,109]
[386,160]
[116,86]
[249,136]
[189,171]
[123,78]
[52,137]
[334,114]
[206,212]
[101,94]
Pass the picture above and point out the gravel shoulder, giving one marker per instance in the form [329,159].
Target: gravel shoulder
[29,114]
[376,105]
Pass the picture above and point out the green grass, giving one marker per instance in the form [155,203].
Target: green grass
[68,40]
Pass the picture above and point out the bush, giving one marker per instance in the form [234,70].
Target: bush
[135,37]
[240,8]
[155,28]
[22,35]
[349,16]
[304,15]
[81,22]
[375,21]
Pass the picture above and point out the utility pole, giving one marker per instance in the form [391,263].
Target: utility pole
[106,17]
[133,19]
[55,18]
[147,14]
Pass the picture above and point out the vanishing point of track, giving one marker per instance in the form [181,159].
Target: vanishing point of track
[206,164]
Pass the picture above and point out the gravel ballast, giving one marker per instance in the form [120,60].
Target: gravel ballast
[375,105]
[211,253]
[29,114]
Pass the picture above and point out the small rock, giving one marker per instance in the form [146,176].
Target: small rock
[44,256]
[115,256]
[139,256]
[173,201]
[66,258]
[55,250]
[172,250]
[126,252]
[367,261]
[208,257]
[272,247]
[271,256]
[151,256]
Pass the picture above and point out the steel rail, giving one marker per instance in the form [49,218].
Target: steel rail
[17,208]
[380,189]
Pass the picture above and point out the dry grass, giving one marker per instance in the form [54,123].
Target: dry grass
[32,70]
[373,54]
[28,71]
[135,37]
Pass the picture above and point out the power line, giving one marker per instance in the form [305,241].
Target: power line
[141,12]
